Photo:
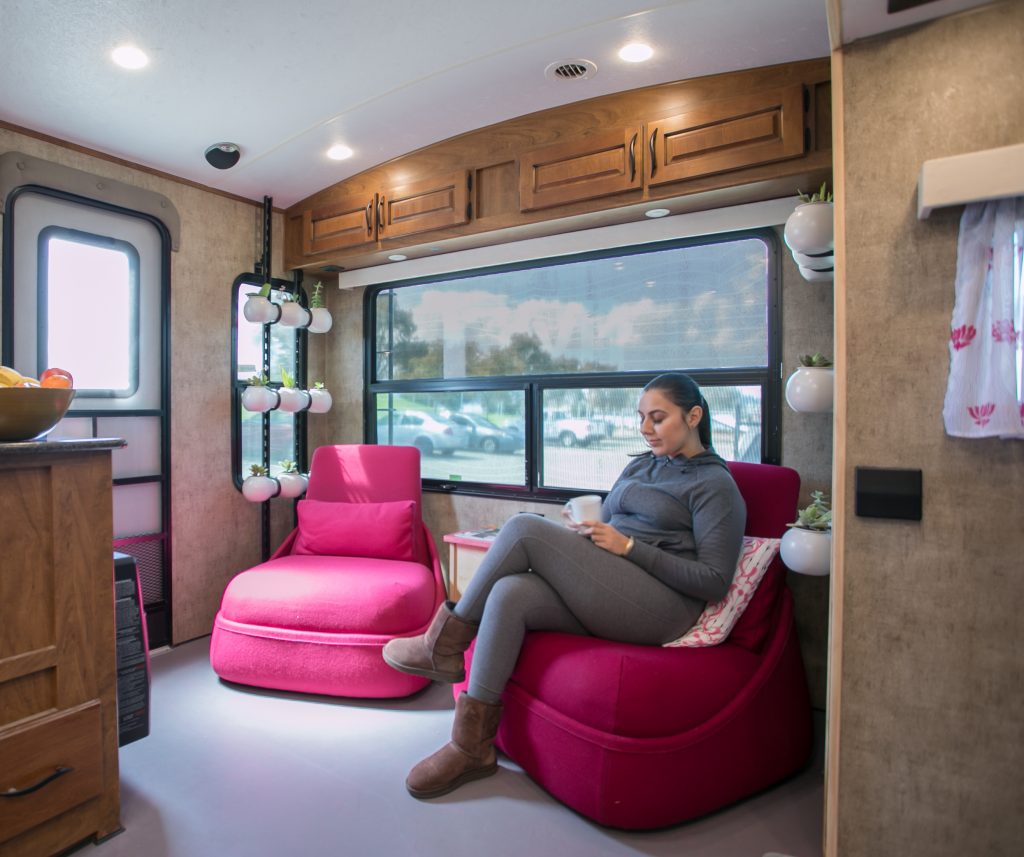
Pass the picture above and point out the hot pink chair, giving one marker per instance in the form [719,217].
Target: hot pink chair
[360,569]
[639,737]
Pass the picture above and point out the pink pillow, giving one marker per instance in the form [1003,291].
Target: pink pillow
[374,530]
[718,619]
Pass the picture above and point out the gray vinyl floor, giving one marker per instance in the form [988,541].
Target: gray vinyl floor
[230,771]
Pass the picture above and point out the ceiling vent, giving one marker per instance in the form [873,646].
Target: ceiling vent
[570,70]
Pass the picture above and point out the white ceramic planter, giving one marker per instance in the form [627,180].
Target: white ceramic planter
[259,399]
[809,228]
[292,484]
[293,399]
[809,389]
[816,276]
[320,401]
[294,315]
[807,551]
[257,489]
[820,262]
[260,310]
[322,320]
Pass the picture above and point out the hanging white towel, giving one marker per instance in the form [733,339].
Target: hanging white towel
[986,362]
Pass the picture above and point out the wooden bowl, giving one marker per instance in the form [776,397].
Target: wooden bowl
[27,413]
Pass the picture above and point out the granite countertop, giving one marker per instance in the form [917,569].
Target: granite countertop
[62,446]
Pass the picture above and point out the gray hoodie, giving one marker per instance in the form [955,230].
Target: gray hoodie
[687,517]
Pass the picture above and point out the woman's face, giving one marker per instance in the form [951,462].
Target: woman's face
[667,428]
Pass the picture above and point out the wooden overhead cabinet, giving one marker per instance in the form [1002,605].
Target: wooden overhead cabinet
[716,137]
[590,167]
[691,145]
[423,206]
[759,128]
[359,220]
[349,222]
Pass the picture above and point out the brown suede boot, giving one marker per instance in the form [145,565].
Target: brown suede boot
[469,756]
[437,654]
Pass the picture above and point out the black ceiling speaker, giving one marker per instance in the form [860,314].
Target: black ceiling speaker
[223,156]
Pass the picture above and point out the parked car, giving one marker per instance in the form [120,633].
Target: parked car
[429,433]
[486,436]
[573,431]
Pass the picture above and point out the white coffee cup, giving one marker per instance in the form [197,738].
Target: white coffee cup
[586,508]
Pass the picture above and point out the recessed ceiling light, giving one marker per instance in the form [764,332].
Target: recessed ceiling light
[397,257]
[339,152]
[657,212]
[129,56]
[636,52]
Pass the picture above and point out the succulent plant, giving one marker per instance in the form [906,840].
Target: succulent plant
[288,466]
[286,379]
[821,195]
[319,385]
[815,516]
[316,300]
[815,361]
[257,380]
[257,470]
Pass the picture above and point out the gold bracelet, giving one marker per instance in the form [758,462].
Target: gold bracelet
[629,546]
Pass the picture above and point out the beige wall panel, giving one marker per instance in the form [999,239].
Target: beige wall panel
[931,734]
[341,366]
[215,533]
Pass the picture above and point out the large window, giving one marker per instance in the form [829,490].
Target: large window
[525,379]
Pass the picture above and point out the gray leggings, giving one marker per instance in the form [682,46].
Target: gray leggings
[542,576]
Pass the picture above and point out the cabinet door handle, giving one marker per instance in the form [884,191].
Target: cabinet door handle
[57,772]
[369,216]
[650,146]
[380,216]
[632,158]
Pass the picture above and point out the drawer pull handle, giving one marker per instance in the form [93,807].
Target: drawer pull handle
[58,772]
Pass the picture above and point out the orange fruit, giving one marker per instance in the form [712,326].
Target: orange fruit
[54,377]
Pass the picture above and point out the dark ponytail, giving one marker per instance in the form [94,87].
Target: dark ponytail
[682,390]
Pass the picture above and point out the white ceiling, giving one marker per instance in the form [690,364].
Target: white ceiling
[287,80]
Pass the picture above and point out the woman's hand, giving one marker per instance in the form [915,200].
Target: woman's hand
[605,536]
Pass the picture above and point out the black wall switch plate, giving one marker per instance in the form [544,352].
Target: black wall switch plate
[883,492]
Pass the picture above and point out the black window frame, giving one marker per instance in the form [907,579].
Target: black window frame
[768,377]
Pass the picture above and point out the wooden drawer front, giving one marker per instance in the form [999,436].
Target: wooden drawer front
[598,165]
[34,751]
[345,224]
[728,135]
[435,203]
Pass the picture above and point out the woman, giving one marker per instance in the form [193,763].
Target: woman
[669,542]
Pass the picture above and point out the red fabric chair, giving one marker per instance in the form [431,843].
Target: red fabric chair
[640,737]
[316,623]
